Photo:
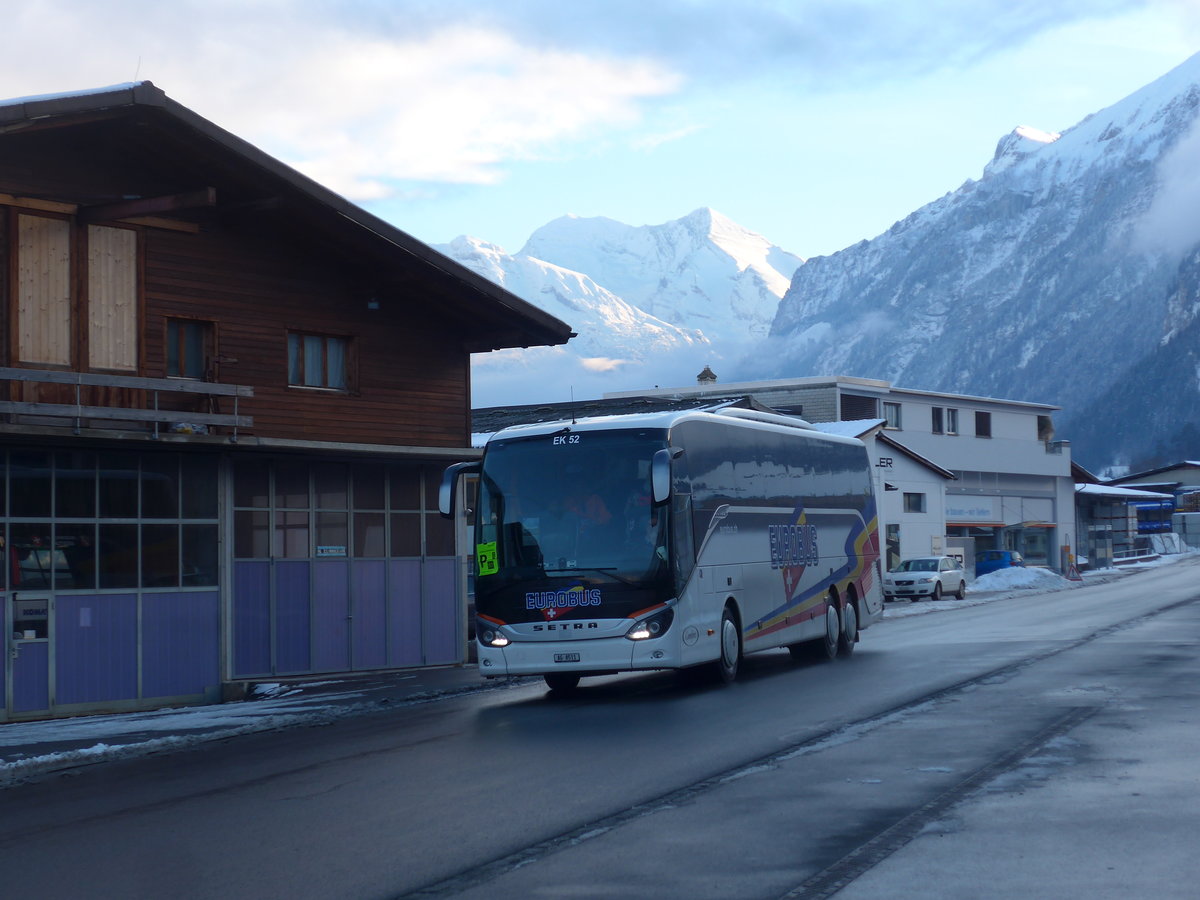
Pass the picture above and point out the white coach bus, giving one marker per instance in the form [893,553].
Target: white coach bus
[667,541]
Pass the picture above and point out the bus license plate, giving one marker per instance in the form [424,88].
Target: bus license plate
[566,657]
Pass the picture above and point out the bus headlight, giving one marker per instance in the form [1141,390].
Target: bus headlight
[489,635]
[652,626]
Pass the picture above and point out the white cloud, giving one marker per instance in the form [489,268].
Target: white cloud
[656,140]
[1170,225]
[602,363]
[353,107]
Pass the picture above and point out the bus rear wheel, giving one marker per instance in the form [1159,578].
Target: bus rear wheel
[848,635]
[726,666]
[826,646]
[561,682]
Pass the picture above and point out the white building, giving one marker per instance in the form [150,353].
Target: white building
[1012,486]
[910,490]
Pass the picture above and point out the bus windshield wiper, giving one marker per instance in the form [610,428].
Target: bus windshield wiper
[610,571]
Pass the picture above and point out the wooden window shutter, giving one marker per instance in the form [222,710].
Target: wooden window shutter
[112,298]
[44,291]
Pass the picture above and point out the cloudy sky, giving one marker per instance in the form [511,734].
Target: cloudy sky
[814,122]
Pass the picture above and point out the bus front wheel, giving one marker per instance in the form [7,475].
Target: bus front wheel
[727,663]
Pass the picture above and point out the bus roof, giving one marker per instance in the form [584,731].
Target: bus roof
[733,416]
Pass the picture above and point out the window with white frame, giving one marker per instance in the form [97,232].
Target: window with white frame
[951,421]
[914,503]
[891,415]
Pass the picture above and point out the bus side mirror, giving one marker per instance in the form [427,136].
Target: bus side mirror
[449,487]
[660,473]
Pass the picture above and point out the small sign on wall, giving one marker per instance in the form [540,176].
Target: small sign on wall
[331,550]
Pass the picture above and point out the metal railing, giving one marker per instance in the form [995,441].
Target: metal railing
[153,386]
[1120,556]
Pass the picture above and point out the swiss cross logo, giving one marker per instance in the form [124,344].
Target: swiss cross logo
[791,578]
[551,613]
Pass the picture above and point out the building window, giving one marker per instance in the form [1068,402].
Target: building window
[983,424]
[855,407]
[914,503]
[168,539]
[293,509]
[189,348]
[1045,427]
[316,360]
[893,545]
[938,426]
[891,415]
[951,421]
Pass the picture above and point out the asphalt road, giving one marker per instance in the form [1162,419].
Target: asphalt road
[1038,746]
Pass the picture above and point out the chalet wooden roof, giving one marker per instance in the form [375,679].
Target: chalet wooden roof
[191,170]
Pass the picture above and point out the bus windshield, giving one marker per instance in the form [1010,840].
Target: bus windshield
[571,504]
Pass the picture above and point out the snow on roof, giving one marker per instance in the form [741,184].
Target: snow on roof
[854,428]
[38,98]
[1100,490]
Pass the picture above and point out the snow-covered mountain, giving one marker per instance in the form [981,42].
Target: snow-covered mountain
[1066,274]
[702,271]
[607,326]
[649,304]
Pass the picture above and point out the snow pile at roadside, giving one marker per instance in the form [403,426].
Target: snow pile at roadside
[1020,578]
[125,735]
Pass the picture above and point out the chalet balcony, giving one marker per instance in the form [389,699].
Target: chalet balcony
[121,403]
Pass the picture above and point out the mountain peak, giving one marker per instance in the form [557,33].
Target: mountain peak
[1016,145]
[703,270]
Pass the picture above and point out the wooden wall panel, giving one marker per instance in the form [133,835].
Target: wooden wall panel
[44,290]
[112,298]
[410,375]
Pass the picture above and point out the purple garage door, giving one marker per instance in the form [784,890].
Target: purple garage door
[440,623]
[95,648]
[369,625]
[181,644]
[293,628]
[339,615]
[31,677]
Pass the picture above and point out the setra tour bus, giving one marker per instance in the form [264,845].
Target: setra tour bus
[668,541]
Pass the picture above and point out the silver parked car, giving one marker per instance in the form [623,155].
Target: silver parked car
[925,576]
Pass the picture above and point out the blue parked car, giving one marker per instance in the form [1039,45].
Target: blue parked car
[991,560]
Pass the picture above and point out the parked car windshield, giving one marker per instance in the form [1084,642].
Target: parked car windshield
[917,565]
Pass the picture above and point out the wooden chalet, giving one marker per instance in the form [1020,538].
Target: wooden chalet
[226,397]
